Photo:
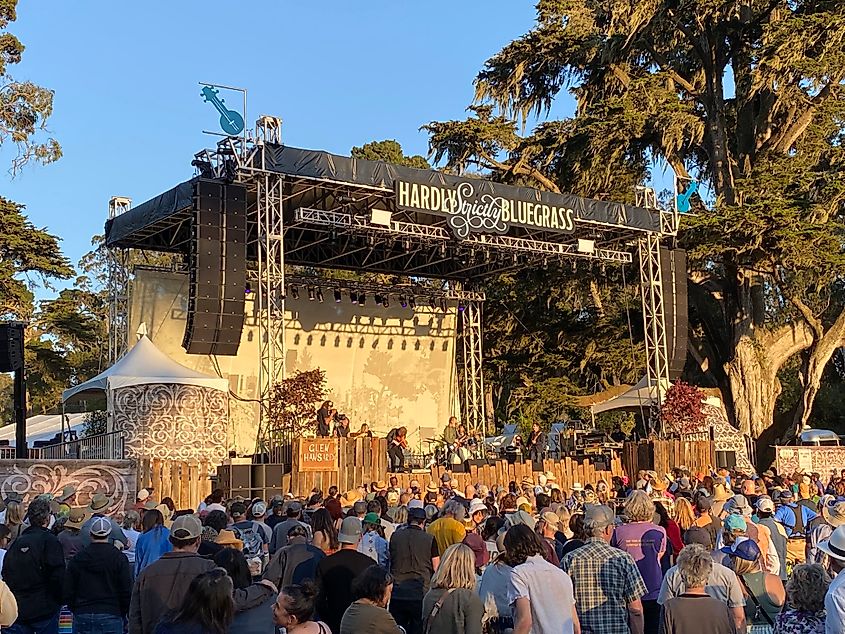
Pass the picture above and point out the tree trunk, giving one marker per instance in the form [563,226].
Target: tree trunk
[817,358]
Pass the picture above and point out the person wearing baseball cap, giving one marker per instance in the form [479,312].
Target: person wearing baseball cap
[162,585]
[336,572]
[766,594]
[413,557]
[795,518]
[372,543]
[98,582]
[777,534]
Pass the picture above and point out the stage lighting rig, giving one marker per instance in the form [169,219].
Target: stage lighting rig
[338,296]
[385,301]
[311,295]
[353,296]
[319,294]
[403,302]
[294,292]
[362,299]
[412,302]
[443,304]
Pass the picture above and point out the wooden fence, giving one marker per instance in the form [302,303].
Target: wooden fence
[364,460]
[664,455]
[186,483]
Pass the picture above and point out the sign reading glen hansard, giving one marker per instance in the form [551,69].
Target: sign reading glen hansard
[475,207]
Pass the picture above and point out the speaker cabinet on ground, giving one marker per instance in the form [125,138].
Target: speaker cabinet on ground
[217,267]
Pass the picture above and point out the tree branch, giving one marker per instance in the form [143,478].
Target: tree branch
[525,170]
[794,131]
[665,67]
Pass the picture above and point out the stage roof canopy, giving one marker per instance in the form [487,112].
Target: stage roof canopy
[328,204]
[144,364]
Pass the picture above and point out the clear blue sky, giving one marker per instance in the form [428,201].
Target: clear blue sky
[127,107]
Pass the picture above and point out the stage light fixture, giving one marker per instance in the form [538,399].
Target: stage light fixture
[353,296]
[247,289]
[385,301]
[206,169]
[319,294]
[294,292]
[403,302]
[337,296]
[412,302]
[378,298]
[443,305]
[461,306]
[311,295]
[432,302]
[362,299]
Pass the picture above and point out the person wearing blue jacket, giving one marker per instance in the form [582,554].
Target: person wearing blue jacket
[153,542]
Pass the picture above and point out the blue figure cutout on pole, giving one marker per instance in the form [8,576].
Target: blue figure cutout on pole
[231,122]
[682,200]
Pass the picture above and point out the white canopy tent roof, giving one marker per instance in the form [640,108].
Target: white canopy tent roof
[44,427]
[144,364]
[641,395]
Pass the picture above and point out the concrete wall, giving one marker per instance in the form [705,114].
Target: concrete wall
[384,366]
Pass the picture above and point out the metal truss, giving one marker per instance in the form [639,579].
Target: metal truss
[389,290]
[469,368]
[271,299]
[118,288]
[434,234]
[654,317]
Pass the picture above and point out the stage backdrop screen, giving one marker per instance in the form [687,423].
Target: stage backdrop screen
[384,366]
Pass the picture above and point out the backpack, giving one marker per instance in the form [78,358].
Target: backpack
[251,537]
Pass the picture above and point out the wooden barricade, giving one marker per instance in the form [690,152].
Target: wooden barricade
[364,460]
[664,455]
[186,483]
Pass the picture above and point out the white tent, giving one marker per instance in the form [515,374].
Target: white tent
[143,364]
[640,396]
[44,427]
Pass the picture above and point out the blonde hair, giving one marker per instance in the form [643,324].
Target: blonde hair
[456,569]
[684,515]
[639,507]
[743,566]
[14,514]
[694,565]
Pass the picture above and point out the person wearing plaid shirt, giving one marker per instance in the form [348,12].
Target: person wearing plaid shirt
[608,586]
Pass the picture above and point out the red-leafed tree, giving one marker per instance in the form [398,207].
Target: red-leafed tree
[682,410]
[294,402]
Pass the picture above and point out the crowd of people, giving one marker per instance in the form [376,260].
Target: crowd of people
[715,553]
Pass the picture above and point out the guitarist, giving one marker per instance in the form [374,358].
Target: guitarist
[397,442]
[536,444]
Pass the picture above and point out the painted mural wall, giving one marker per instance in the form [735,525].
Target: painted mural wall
[384,366]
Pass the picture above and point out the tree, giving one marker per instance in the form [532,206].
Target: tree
[650,84]
[389,151]
[24,106]
[682,411]
[294,401]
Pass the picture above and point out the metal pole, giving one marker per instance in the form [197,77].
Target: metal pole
[20,414]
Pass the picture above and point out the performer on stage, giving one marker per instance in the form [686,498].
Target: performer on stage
[536,444]
[396,445]
[341,428]
[450,434]
[324,416]
[363,432]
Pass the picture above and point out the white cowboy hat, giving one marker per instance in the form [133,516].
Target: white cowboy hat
[835,545]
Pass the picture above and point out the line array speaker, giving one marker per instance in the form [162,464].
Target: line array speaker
[11,346]
[217,269]
[673,265]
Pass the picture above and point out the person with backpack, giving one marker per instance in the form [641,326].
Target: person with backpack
[34,569]
[794,517]
[249,532]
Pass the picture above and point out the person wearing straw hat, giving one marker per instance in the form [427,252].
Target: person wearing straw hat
[832,515]
[70,538]
[834,601]
[98,507]
[65,500]
[98,584]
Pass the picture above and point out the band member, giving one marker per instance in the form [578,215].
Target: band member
[450,434]
[364,432]
[463,436]
[324,416]
[536,443]
[341,428]
[397,442]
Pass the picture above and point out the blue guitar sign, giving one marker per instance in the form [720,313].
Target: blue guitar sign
[682,202]
[231,122]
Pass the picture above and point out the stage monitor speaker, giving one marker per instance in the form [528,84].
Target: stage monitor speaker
[217,270]
[673,270]
[11,346]
[726,459]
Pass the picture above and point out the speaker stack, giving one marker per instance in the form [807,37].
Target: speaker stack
[11,346]
[673,270]
[217,270]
